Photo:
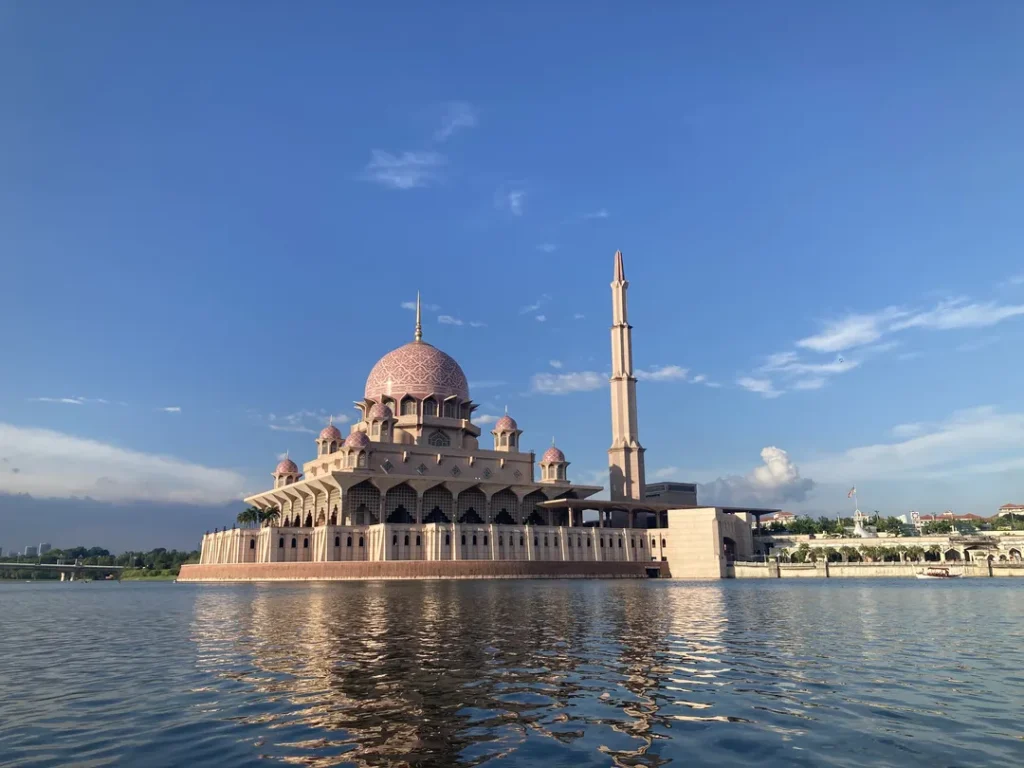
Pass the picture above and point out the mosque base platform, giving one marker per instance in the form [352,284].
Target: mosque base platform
[421,569]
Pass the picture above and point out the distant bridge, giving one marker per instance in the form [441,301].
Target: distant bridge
[70,571]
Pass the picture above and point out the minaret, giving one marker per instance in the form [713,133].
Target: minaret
[626,456]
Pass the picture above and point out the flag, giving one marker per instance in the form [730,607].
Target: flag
[852,491]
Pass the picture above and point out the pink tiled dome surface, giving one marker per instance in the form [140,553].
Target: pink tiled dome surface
[379,411]
[417,369]
[330,432]
[505,424]
[286,467]
[553,455]
[357,440]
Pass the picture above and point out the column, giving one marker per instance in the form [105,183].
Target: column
[419,508]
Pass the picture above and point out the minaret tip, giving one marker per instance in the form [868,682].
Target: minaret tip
[506,410]
[331,420]
[419,323]
[552,441]
[620,272]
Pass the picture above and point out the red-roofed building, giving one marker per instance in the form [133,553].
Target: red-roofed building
[1010,509]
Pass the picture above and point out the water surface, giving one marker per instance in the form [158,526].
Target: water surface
[511,673]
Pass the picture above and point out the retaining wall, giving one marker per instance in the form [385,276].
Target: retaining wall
[774,570]
[420,569]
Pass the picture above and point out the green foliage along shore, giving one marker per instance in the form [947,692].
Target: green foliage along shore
[154,565]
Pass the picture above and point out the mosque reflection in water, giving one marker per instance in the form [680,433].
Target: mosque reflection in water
[443,673]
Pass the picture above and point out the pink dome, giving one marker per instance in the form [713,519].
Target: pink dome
[416,369]
[379,412]
[286,467]
[330,432]
[505,424]
[553,456]
[357,440]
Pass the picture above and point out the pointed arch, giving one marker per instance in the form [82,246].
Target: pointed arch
[471,500]
[361,505]
[505,507]
[438,505]
[531,511]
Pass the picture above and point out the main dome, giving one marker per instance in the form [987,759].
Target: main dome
[416,369]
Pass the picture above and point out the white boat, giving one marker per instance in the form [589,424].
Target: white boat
[937,572]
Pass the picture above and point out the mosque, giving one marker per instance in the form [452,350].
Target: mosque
[410,492]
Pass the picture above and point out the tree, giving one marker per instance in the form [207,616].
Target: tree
[915,553]
[850,554]
[248,517]
[269,516]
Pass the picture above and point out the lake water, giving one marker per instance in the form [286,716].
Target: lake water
[511,673]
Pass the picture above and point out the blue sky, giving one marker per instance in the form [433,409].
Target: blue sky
[211,214]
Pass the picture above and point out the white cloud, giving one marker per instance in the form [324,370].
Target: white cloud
[448,320]
[555,363]
[541,318]
[983,435]
[411,305]
[666,473]
[806,384]
[909,355]
[309,422]
[598,214]
[547,247]
[852,331]
[171,409]
[458,115]
[57,465]
[69,400]
[405,171]
[1017,279]
[511,197]
[578,316]
[564,383]
[484,418]
[957,313]
[477,324]
[909,430]
[698,379]
[776,481]
[763,387]
[713,384]
[664,373]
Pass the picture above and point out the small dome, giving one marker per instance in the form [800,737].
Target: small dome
[379,412]
[553,456]
[357,440]
[330,432]
[286,467]
[506,424]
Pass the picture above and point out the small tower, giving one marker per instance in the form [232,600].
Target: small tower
[379,420]
[287,472]
[357,451]
[626,455]
[506,434]
[330,439]
[553,466]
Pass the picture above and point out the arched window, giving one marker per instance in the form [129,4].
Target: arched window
[520,541]
[663,543]
[305,543]
[485,541]
[556,541]
[654,543]
[280,543]
[394,540]
[337,541]
[512,441]
[390,404]
[323,449]
[579,541]
[632,543]
[502,441]
[417,541]
[545,540]
[429,407]
[334,446]
[451,410]
[361,462]
[407,539]
[602,541]
[348,541]
[252,543]
[569,539]
[463,539]
[408,407]
[641,543]
[588,541]
[447,540]
[360,541]
[293,543]
[501,540]
[620,542]
[439,439]
[535,542]
[350,460]
[376,429]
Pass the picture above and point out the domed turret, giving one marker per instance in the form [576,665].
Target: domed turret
[287,472]
[378,420]
[553,465]
[506,434]
[330,439]
[357,440]
[379,412]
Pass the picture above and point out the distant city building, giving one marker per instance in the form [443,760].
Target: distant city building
[31,551]
[1010,509]
[44,548]
[682,494]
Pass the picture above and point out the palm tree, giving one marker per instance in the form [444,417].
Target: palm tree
[849,553]
[831,553]
[915,553]
[268,516]
[246,517]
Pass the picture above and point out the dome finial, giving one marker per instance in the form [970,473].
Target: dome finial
[506,410]
[330,421]
[419,324]
[552,440]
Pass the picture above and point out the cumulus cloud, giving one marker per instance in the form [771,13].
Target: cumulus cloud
[776,481]
[763,387]
[458,115]
[484,418]
[555,363]
[57,465]
[541,318]
[407,170]
[663,373]
[565,383]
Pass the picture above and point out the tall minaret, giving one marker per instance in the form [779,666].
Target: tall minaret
[626,456]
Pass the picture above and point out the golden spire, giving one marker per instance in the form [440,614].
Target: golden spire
[419,324]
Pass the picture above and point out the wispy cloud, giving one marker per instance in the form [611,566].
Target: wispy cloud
[541,318]
[763,387]
[484,418]
[407,170]
[531,308]
[663,373]
[806,384]
[477,324]
[601,213]
[309,422]
[448,320]
[578,316]
[58,465]
[547,247]
[70,400]
[788,363]
[412,305]
[1016,280]
[171,409]
[458,116]
[699,378]
[555,363]
[666,473]
[566,383]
